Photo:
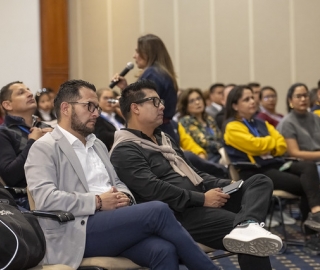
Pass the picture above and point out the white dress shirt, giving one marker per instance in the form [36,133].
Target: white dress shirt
[94,170]
[110,117]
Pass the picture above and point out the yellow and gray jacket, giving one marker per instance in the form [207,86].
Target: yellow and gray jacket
[255,141]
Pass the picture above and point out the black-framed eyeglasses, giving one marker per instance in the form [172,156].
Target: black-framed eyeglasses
[156,101]
[91,106]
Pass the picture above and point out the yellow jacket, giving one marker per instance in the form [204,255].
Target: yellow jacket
[238,136]
[187,143]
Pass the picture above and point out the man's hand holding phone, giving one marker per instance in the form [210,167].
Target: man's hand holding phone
[215,198]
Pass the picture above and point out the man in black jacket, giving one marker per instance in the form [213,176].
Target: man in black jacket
[109,121]
[18,132]
[154,168]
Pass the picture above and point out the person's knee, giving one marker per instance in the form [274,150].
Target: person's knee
[159,206]
[262,179]
[165,251]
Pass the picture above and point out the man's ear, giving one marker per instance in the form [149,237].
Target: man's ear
[134,108]
[65,108]
[7,105]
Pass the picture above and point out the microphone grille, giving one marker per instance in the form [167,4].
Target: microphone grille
[130,65]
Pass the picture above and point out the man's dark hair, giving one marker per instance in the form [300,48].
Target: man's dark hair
[69,92]
[253,84]
[5,92]
[132,93]
[214,86]
[230,84]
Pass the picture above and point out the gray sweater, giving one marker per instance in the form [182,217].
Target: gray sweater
[304,128]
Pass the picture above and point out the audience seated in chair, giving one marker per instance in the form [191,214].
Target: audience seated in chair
[256,88]
[249,139]
[301,128]
[216,99]
[220,117]
[268,104]
[201,127]
[19,131]
[156,169]
[45,110]
[196,154]
[70,169]
[109,121]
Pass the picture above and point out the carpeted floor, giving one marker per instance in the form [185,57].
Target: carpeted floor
[294,258]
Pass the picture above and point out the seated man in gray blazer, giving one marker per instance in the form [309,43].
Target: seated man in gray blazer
[70,169]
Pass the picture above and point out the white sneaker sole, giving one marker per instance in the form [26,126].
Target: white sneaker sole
[262,246]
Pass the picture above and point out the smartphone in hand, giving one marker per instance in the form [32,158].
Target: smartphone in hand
[232,187]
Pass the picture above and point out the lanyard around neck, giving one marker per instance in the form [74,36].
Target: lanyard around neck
[24,129]
[252,129]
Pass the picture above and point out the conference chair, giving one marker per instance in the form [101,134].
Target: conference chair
[94,263]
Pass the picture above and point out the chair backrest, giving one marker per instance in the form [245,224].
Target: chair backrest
[225,160]
[31,201]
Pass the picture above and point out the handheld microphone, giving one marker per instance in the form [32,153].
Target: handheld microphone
[129,66]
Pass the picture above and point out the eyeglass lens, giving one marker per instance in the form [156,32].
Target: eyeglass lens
[193,100]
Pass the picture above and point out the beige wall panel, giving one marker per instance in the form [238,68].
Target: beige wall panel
[91,55]
[158,19]
[271,44]
[94,41]
[232,41]
[307,39]
[125,32]
[74,63]
[194,44]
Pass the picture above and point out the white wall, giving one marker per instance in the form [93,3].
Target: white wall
[20,43]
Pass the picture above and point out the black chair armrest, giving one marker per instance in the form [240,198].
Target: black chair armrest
[16,190]
[291,159]
[60,216]
[245,165]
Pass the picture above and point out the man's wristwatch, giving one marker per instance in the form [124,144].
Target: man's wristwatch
[130,198]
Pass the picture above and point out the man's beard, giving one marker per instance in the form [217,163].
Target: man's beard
[80,127]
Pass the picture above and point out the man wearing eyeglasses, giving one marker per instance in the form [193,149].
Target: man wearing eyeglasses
[70,169]
[153,166]
[18,132]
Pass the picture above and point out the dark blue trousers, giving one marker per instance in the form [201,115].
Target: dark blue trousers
[148,234]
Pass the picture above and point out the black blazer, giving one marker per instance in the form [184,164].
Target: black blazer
[104,131]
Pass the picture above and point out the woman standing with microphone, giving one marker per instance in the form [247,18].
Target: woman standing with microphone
[152,57]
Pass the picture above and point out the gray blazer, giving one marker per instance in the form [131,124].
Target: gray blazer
[56,181]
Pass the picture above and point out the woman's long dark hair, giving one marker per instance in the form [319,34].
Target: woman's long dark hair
[290,93]
[152,49]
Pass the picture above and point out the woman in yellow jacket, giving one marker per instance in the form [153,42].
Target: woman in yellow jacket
[249,139]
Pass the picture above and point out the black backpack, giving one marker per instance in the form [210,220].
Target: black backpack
[22,243]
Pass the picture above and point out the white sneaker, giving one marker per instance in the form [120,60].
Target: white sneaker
[286,218]
[274,223]
[252,239]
